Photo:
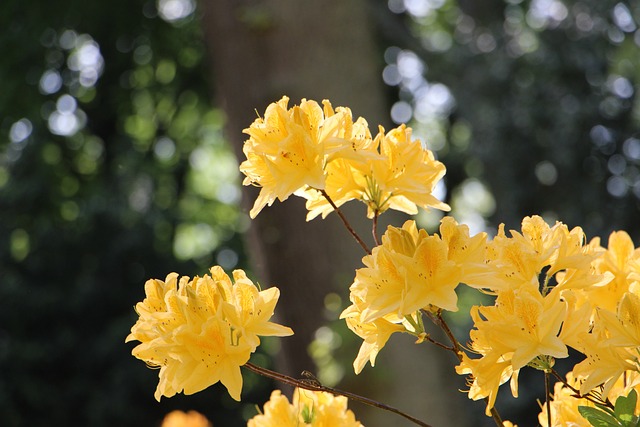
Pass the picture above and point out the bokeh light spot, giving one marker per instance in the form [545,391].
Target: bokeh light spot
[175,10]
[20,245]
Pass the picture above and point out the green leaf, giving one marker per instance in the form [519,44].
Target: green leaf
[625,407]
[598,418]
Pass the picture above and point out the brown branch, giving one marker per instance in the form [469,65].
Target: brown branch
[439,344]
[589,396]
[346,222]
[374,228]
[547,393]
[314,385]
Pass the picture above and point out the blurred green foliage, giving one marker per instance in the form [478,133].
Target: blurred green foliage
[113,170]
[531,104]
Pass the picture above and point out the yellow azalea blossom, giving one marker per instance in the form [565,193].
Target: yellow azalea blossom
[409,271]
[487,375]
[564,406]
[249,310]
[521,326]
[185,419]
[619,261]
[278,412]
[467,252]
[375,334]
[516,260]
[287,150]
[521,258]
[623,328]
[526,323]
[200,331]
[394,171]
[579,319]
[604,364]
[309,408]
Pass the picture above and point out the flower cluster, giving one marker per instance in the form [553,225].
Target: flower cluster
[409,272]
[322,154]
[551,290]
[200,331]
[309,408]
[532,273]
[565,405]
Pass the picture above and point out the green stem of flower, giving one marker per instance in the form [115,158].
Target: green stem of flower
[311,383]
[345,222]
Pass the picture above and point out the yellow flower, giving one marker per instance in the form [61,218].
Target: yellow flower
[375,334]
[623,328]
[604,363]
[521,326]
[518,259]
[287,150]
[185,419]
[201,331]
[564,406]
[393,171]
[249,311]
[309,408]
[619,261]
[521,258]
[468,253]
[277,413]
[409,271]
[487,375]
[525,323]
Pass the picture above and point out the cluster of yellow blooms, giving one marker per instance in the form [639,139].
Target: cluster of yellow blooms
[307,149]
[552,289]
[200,331]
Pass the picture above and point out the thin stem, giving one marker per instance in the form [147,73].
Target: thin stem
[439,344]
[456,348]
[547,396]
[589,396]
[314,385]
[374,228]
[345,222]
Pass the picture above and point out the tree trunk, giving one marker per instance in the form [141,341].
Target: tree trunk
[261,50]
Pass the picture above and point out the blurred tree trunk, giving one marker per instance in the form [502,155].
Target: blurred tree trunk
[259,51]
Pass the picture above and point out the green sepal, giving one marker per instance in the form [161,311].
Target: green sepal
[308,414]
